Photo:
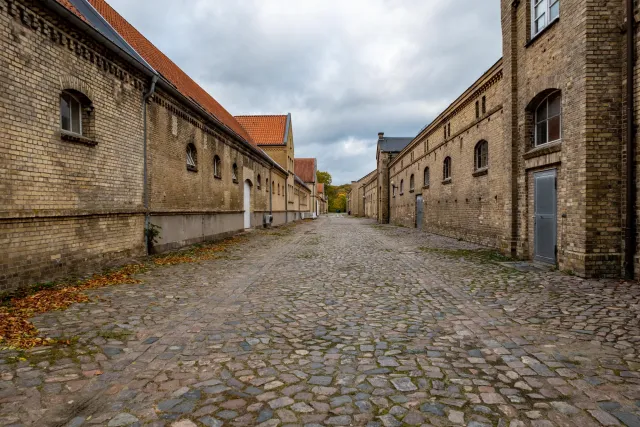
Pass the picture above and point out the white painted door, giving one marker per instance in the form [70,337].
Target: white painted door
[247,205]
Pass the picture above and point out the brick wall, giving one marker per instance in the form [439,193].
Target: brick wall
[66,205]
[470,205]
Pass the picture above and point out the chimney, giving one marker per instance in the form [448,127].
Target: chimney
[380,136]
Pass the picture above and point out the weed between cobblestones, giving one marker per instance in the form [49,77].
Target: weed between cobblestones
[482,255]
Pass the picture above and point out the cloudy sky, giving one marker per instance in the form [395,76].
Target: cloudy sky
[344,69]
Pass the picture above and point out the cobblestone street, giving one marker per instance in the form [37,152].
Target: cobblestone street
[337,322]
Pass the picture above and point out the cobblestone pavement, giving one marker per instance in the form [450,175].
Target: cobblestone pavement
[338,322]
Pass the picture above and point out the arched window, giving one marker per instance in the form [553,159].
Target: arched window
[259,182]
[70,113]
[412,183]
[235,173]
[446,168]
[192,158]
[548,119]
[426,177]
[278,189]
[217,167]
[401,186]
[481,155]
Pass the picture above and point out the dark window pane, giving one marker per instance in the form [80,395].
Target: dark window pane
[554,128]
[541,133]
[65,113]
[75,116]
[541,112]
[554,104]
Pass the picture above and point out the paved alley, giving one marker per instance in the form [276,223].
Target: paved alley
[337,322]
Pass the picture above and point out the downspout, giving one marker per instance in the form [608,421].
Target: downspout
[145,99]
[630,235]
[270,191]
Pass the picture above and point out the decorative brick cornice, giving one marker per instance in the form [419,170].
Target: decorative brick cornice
[30,19]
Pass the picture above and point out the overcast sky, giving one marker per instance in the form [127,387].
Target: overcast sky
[344,69]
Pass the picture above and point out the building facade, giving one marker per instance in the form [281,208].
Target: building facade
[532,159]
[307,171]
[103,138]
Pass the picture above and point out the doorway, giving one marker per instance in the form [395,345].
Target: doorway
[419,212]
[247,204]
[545,216]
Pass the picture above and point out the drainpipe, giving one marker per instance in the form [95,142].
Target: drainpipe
[630,235]
[286,200]
[145,99]
[270,192]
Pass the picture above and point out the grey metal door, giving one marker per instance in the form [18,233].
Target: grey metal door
[419,212]
[545,216]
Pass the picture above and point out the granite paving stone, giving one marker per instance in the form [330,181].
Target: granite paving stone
[335,322]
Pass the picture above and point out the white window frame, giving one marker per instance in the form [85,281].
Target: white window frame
[217,167]
[71,118]
[191,161]
[547,5]
[446,168]
[535,120]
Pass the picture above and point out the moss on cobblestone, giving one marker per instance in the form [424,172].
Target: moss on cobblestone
[482,255]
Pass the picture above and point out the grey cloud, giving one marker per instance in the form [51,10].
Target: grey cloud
[345,69]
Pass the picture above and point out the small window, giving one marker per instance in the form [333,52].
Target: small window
[445,131]
[484,105]
[446,169]
[234,173]
[278,189]
[481,155]
[412,183]
[266,184]
[259,182]
[401,186]
[449,130]
[70,113]
[394,191]
[477,109]
[217,167]
[548,120]
[426,177]
[543,12]
[273,187]
[192,158]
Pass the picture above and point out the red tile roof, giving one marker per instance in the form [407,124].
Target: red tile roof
[265,130]
[320,188]
[306,169]
[163,65]
[67,4]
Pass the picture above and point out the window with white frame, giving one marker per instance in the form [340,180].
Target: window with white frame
[548,119]
[446,169]
[481,155]
[192,158]
[401,186]
[543,12]
[412,183]
[70,113]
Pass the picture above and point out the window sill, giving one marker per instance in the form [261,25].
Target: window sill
[192,168]
[217,177]
[76,137]
[541,150]
[481,172]
[402,194]
[235,181]
[446,181]
[426,187]
[412,191]
[533,39]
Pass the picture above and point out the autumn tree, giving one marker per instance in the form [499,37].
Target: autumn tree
[324,177]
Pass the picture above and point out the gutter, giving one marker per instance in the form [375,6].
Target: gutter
[145,189]
[630,235]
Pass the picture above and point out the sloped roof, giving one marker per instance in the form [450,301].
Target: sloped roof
[162,64]
[306,169]
[320,188]
[298,180]
[393,144]
[265,130]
